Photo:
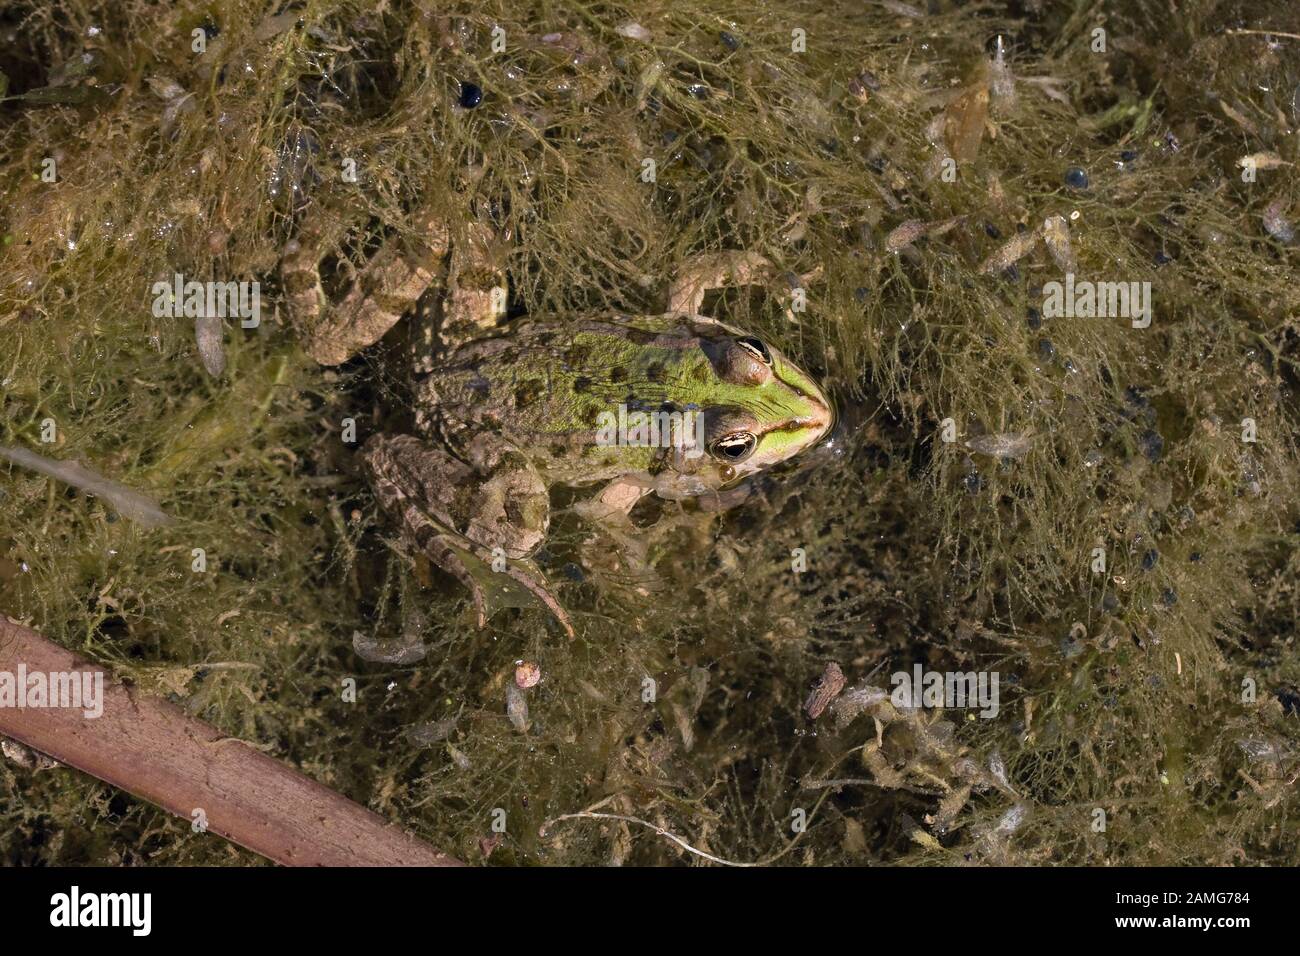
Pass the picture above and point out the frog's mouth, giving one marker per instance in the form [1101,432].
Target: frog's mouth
[835,432]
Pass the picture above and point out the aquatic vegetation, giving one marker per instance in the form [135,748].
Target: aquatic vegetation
[1104,513]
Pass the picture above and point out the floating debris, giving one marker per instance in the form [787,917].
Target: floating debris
[1001,446]
[527,674]
[128,503]
[903,9]
[176,101]
[857,700]
[426,734]
[1262,161]
[966,117]
[517,708]
[863,85]
[25,756]
[1010,253]
[1056,234]
[212,352]
[1275,224]
[826,689]
[633,31]
[1002,83]
[904,234]
[406,650]
[1012,819]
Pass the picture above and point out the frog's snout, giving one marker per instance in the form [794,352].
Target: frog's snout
[816,417]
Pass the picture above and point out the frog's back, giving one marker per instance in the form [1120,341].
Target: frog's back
[552,378]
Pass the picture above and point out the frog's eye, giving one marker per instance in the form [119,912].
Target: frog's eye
[756,348]
[735,447]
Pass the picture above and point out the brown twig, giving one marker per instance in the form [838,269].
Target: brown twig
[154,750]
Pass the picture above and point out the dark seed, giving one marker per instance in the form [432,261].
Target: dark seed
[1289,698]
[992,231]
[1034,318]
[860,293]
[1194,556]
[1076,178]
[1149,559]
[729,40]
[699,91]
[1046,349]
[1129,155]
[974,483]
[1162,258]
[573,572]
[471,95]
[1169,597]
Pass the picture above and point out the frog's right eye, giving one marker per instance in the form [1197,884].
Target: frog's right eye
[734,448]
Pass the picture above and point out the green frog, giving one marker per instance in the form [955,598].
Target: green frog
[504,411]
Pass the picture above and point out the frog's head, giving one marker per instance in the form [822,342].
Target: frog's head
[762,409]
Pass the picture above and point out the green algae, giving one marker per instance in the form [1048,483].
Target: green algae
[1128,691]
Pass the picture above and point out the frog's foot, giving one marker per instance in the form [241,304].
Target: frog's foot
[615,501]
[471,568]
[731,267]
[474,302]
[478,521]
[384,289]
[610,512]
[714,270]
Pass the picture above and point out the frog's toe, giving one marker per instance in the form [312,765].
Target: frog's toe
[540,591]
[446,557]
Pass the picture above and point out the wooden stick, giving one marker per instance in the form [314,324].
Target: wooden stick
[154,750]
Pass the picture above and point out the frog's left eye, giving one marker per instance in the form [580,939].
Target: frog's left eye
[756,348]
[735,447]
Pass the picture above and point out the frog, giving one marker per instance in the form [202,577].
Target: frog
[507,410]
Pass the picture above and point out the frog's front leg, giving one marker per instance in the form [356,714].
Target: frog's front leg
[384,289]
[468,517]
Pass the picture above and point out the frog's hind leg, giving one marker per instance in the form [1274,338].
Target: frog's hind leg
[468,519]
[383,290]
